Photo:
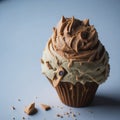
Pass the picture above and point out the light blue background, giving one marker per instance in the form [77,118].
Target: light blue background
[25,26]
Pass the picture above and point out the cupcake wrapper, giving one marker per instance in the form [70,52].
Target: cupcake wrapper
[77,95]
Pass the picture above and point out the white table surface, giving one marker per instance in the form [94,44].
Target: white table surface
[25,26]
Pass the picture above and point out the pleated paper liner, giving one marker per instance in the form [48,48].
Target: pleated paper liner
[77,95]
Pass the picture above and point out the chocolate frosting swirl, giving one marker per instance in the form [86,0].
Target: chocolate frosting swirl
[77,40]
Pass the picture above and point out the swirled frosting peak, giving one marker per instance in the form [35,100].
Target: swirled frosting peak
[76,39]
[75,54]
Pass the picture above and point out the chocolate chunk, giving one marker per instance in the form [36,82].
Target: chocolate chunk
[84,35]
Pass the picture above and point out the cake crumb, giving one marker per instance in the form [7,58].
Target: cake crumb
[42,61]
[90,111]
[13,118]
[30,110]
[73,115]
[70,112]
[60,116]
[13,108]
[23,118]
[19,100]
[67,113]
[78,113]
[61,107]
[45,107]
[57,106]
[52,106]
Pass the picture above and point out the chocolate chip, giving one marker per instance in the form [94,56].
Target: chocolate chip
[84,35]
[61,73]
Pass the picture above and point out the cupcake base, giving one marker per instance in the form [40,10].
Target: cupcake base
[77,95]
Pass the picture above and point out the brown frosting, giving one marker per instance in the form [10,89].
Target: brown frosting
[77,40]
[75,54]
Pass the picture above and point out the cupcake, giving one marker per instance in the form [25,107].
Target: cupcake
[75,61]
